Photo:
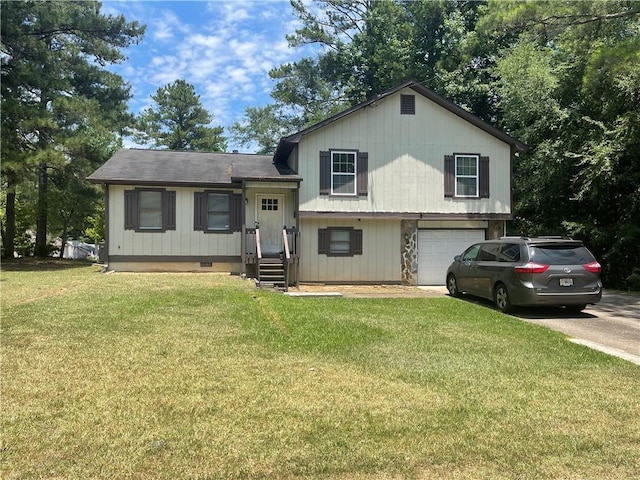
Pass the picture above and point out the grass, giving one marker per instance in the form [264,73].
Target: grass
[201,376]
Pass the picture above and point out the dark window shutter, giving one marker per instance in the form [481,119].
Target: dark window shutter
[407,104]
[235,212]
[449,176]
[363,173]
[483,180]
[323,241]
[169,210]
[356,242]
[130,210]
[200,211]
[325,173]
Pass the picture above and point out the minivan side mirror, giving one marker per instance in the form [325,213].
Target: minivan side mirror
[457,258]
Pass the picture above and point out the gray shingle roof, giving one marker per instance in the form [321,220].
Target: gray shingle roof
[167,167]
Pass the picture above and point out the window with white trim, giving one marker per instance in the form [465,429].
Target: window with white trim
[466,175]
[343,173]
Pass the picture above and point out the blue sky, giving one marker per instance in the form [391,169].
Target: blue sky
[224,48]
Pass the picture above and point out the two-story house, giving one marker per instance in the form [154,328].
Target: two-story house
[384,192]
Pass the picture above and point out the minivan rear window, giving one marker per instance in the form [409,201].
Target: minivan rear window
[560,254]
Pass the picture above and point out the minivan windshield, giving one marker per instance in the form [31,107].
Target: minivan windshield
[560,254]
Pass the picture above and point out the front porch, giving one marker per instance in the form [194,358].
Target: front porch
[275,269]
[270,250]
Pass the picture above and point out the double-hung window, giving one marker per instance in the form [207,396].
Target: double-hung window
[339,241]
[149,210]
[343,173]
[217,212]
[466,175]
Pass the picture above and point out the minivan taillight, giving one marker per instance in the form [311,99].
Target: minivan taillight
[531,267]
[593,267]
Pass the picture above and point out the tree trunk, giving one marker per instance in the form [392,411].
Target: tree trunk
[41,248]
[9,230]
[63,245]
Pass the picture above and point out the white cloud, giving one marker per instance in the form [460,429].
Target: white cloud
[225,49]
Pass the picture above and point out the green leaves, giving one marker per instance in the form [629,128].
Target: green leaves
[178,121]
[568,84]
[62,112]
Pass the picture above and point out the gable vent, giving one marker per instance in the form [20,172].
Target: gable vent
[407,104]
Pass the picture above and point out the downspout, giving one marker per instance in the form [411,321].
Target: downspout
[296,202]
[106,222]
[512,158]
[243,234]
[296,214]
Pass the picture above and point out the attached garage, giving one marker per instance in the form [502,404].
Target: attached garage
[436,249]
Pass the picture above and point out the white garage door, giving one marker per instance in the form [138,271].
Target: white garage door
[436,249]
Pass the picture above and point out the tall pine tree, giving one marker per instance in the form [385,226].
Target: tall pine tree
[178,121]
[54,87]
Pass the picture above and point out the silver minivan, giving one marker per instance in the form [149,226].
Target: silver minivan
[523,271]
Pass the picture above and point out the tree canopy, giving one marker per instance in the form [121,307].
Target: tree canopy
[61,109]
[178,121]
[562,76]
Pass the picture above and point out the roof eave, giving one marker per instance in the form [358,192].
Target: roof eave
[286,143]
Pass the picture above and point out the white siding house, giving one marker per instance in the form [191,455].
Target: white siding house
[383,192]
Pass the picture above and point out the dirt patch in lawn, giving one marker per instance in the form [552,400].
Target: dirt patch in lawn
[371,291]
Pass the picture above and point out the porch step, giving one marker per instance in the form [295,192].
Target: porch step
[271,274]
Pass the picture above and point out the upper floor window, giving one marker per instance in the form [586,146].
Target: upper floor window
[466,175]
[344,173]
[149,210]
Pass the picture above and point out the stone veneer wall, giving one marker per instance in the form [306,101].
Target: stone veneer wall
[409,242]
[496,229]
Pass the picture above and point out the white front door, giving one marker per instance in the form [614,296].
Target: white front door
[270,217]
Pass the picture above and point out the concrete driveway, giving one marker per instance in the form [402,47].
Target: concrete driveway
[611,326]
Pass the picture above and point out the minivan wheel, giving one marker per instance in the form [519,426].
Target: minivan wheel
[452,285]
[501,298]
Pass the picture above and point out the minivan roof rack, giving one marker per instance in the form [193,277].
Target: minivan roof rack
[555,237]
[541,237]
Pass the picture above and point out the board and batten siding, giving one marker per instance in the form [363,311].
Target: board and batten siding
[183,241]
[406,159]
[380,260]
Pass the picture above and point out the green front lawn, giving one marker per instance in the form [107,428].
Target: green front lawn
[202,376]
